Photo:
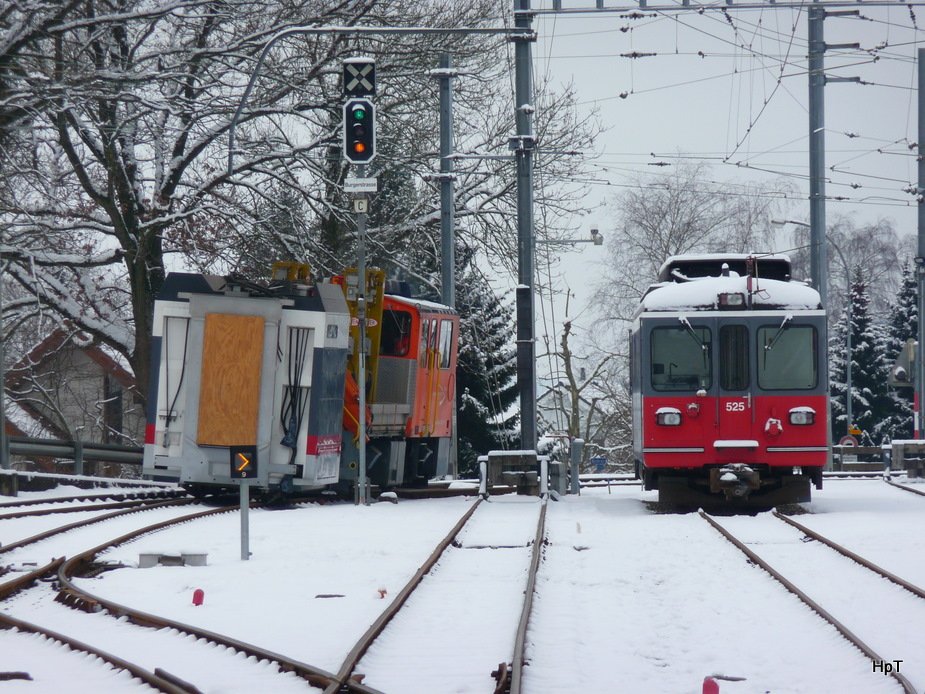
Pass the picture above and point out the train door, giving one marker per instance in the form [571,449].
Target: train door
[736,408]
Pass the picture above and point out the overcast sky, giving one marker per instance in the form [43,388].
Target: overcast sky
[712,92]
[730,90]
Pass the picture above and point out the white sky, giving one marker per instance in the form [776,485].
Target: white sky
[628,600]
[726,109]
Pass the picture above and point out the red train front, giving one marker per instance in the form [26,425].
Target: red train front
[730,383]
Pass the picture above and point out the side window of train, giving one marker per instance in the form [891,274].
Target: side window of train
[425,337]
[733,357]
[681,359]
[446,343]
[396,334]
[787,357]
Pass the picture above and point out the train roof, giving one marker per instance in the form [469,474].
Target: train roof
[420,304]
[702,294]
[692,265]
[178,286]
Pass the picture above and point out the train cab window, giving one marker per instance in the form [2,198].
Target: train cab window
[733,357]
[446,343]
[425,337]
[787,356]
[681,358]
[396,334]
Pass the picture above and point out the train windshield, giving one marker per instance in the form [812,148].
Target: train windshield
[396,333]
[681,358]
[787,357]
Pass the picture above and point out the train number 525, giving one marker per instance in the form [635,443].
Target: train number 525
[735,406]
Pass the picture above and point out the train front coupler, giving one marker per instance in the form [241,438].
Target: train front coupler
[735,481]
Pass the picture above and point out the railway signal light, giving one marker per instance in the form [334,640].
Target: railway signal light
[359,131]
[243,462]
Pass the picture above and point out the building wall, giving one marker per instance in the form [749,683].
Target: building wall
[76,394]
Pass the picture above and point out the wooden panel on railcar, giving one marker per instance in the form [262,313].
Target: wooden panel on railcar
[229,397]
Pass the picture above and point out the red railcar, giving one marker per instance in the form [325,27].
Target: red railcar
[729,382]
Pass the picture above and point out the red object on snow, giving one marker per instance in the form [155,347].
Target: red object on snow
[710,686]
[198,597]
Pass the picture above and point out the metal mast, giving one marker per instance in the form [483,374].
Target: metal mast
[523,145]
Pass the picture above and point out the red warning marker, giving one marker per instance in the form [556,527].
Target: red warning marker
[198,597]
[710,686]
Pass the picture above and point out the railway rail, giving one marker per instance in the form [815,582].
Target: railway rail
[160,680]
[87,564]
[920,492]
[115,497]
[811,602]
[508,673]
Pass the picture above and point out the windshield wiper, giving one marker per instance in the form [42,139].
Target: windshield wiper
[780,331]
[690,331]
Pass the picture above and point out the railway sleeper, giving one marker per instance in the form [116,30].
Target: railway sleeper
[77,601]
[502,677]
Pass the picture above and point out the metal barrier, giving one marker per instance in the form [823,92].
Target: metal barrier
[78,451]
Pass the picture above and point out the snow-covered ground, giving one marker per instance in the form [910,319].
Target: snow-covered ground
[628,600]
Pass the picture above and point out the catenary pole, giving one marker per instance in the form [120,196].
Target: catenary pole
[817,254]
[448,215]
[523,148]
[920,258]
[447,211]
[4,441]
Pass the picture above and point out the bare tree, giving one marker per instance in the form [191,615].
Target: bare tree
[120,169]
[683,212]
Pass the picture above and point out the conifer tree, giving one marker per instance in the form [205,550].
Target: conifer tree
[486,377]
[871,402]
[903,324]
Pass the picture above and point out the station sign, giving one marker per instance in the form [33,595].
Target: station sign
[361,185]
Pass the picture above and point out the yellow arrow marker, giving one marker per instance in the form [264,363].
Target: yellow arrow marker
[244,464]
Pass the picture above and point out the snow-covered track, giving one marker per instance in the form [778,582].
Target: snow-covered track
[845,552]
[91,521]
[758,537]
[85,563]
[905,488]
[78,508]
[451,599]
[161,681]
[343,677]
[156,494]
[520,641]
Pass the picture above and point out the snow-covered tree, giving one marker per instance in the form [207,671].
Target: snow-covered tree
[903,324]
[870,398]
[486,377]
[123,169]
[680,212]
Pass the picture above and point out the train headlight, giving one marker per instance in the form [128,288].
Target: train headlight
[802,416]
[731,300]
[668,416]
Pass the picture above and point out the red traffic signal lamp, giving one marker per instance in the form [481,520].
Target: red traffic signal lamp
[359,131]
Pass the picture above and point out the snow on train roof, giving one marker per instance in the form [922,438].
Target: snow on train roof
[773,265]
[700,294]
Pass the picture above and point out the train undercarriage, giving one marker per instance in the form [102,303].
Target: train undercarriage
[735,485]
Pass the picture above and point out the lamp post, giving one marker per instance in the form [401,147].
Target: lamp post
[849,413]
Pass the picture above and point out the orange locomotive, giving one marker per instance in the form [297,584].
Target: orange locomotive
[410,385]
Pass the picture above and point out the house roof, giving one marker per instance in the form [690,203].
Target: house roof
[58,339]
[22,418]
